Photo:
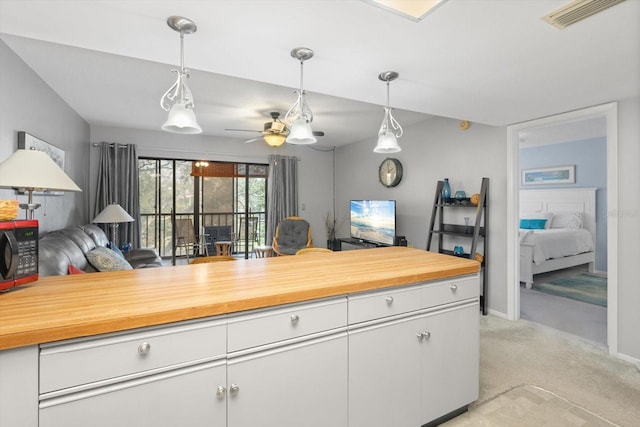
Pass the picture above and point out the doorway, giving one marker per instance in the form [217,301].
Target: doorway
[514,134]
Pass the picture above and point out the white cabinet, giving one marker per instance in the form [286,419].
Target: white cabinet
[164,376]
[413,367]
[289,367]
[302,384]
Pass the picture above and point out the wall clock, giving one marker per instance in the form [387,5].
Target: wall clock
[390,172]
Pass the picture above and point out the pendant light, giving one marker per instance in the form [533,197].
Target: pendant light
[299,116]
[181,118]
[390,130]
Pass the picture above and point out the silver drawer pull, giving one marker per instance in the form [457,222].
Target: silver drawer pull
[419,335]
[144,348]
[426,335]
[294,318]
[453,287]
[234,389]
[221,391]
[389,300]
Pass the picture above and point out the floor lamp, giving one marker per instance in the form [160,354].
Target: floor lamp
[32,170]
[113,215]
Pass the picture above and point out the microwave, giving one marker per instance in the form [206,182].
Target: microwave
[18,253]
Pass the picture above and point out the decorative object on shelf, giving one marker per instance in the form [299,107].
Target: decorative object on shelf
[300,116]
[390,129]
[457,250]
[113,215]
[460,194]
[446,191]
[33,170]
[463,124]
[552,175]
[475,198]
[181,118]
[390,172]
[466,224]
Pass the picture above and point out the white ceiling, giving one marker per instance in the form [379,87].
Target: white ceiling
[488,61]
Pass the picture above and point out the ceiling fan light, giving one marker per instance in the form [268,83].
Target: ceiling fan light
[181,120]
[387,143]
[301,133]
[274,139]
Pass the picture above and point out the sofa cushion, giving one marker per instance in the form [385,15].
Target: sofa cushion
[80,238]
[104,259]
[56,252]
[97,234]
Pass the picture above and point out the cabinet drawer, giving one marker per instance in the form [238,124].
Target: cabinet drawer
[273,325]
[77,362]
[448,291]
[380,304]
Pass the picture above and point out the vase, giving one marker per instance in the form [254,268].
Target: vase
[446,190]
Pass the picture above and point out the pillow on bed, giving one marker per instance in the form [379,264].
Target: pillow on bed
[567,220]
[539,215]
[533,224]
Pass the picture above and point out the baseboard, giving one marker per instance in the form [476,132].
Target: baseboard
[629,359]
[498,314]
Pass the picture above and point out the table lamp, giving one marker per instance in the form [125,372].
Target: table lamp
[32,170]
[113,215]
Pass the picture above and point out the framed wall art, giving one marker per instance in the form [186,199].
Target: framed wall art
[551,175]
[28,142]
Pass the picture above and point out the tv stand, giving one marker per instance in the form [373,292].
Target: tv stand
[361,244]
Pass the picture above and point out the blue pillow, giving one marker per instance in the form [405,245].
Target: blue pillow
[533,224]
[117,250]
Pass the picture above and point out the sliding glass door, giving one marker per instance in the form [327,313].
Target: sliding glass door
[221,201]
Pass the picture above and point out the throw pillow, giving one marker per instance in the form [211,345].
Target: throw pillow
[539,215]
[75,270]
[533,224]
[567,220]
[104,259]
[117,251]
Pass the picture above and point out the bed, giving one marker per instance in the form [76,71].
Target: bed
[559,230]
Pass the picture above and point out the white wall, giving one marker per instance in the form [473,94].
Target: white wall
[28,104]
[431,151]
[628,227]
[314,167]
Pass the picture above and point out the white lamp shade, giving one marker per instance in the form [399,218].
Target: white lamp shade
[113,213]
[387,143]
[181,120]
[34,170]
[301,133]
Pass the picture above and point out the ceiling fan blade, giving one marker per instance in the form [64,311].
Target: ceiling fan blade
[318,133]
[245,130]
[253,139]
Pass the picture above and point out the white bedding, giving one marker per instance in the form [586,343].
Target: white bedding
[557,242]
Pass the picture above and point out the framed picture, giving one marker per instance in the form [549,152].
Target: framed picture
[27,142]
[551,175]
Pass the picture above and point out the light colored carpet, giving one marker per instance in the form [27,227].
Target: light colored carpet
[518,353]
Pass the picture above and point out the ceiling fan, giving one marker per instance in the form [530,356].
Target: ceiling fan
[274,132]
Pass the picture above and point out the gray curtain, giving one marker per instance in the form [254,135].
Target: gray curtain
[282,193]
[118,183]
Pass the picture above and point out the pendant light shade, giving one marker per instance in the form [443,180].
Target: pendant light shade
[181,118]
[300,116]
[274,139]
[301,133]
[390,129]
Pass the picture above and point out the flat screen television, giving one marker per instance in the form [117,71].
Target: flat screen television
[373,221]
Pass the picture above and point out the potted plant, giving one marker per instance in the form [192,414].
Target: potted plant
[331,223]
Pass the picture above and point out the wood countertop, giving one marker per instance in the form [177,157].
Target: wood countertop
[61,307]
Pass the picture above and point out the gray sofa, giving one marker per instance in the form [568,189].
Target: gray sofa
[59,249]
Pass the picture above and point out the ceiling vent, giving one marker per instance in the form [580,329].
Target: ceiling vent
[576,11]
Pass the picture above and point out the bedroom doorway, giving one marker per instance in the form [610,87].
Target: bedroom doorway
[514,134]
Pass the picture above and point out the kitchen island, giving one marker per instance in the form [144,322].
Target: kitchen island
[201,333]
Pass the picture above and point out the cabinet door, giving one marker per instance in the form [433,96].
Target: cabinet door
[384,374]
[450,360]
[303,384]
[183,397]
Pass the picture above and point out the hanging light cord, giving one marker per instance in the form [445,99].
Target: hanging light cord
[180,89]
[299,109]
[389,120]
